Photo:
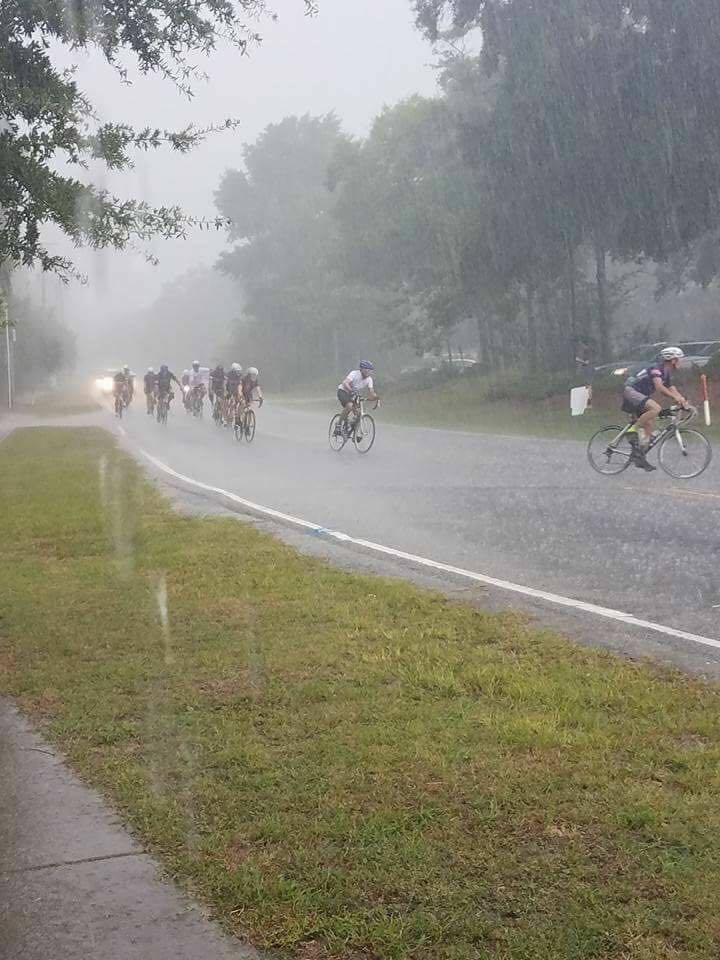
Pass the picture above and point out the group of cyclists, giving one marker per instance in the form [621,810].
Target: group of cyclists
[229,393]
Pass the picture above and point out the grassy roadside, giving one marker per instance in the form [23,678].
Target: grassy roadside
[350,767]
[462,404]
[55,403]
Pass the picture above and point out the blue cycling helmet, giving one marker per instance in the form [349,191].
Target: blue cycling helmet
[366,365]
[163,368]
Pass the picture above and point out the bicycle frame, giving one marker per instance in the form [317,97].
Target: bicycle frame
[359,410]
[676,421]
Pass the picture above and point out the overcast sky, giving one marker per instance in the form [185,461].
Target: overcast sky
[353,58]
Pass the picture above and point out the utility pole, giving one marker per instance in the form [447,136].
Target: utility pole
[5,321]
[10,365]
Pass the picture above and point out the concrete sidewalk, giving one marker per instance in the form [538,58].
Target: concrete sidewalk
[74,885]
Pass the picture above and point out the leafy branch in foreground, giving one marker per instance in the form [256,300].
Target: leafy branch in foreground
[46,119]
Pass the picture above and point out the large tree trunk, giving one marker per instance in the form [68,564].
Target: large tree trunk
[532,334]
[483,339]
[336,347]
[546,327]
[574,338]
[602,299]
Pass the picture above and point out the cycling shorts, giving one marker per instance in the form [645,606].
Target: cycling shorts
[344,396]
[634,401]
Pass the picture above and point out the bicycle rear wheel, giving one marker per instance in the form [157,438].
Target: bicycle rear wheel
[336,435]
[608,452]
[118,407]
[249,425]
[364,434]
[684,454]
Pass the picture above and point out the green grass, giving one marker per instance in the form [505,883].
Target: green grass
[58,403]
[344,766]
[471,403]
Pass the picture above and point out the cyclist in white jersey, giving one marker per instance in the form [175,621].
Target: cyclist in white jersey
[357,383]
[197,375]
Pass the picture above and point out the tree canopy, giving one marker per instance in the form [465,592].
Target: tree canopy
[46,118]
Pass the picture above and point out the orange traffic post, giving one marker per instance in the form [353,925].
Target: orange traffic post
[706,399]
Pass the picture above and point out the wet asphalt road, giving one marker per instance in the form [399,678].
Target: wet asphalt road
[522,509]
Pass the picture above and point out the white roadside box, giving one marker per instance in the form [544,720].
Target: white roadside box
[579,397]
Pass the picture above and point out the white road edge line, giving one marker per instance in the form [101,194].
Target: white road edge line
[507,585]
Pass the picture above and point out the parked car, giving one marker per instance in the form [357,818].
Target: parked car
[697,354]
[639,356]
[702,353]
[459,364]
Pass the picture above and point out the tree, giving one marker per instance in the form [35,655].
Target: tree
[406,203]
[45,117]
[44,345]
[280,211]
[612,113]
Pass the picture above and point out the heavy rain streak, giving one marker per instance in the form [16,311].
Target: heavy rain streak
[359,591]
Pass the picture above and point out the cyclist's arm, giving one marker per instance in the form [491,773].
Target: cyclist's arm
[672,392]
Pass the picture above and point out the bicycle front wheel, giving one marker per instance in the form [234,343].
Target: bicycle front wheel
[249,425]
[336,435]
[684,454]
[608,452]
[364,435]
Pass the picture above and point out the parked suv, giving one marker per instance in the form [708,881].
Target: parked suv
[697,354]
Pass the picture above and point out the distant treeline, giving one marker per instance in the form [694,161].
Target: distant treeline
[586,134]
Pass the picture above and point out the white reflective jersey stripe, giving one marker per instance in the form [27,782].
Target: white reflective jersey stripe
[354,382]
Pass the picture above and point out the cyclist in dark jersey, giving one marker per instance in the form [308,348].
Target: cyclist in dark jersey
[233,381]
[150,383]
[164,381]
[217,382]
[637,397]
[123,383]
[250,385]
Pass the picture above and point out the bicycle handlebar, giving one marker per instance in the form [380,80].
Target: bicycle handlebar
[689,411]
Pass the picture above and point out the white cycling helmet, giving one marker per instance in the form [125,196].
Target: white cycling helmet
[236,367]
[672,353]
[195,365]
[253,372]
[151,370]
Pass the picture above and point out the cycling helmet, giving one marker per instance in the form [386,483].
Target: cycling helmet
[253,372]
[164,368]
[236,367]
[366,365]
[151,370]
[185,371]
[126,368]
[195,365]
[672,353]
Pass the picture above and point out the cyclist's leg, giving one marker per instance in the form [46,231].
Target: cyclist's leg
[346,402]
[645,422]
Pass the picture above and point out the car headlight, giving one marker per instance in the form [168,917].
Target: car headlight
[620,371]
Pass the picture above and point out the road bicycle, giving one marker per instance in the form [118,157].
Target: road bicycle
[358,426]
[217,410]
[244,423]
[682,453]
[122,402]
[230,410]
[163,406]
[197,398]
